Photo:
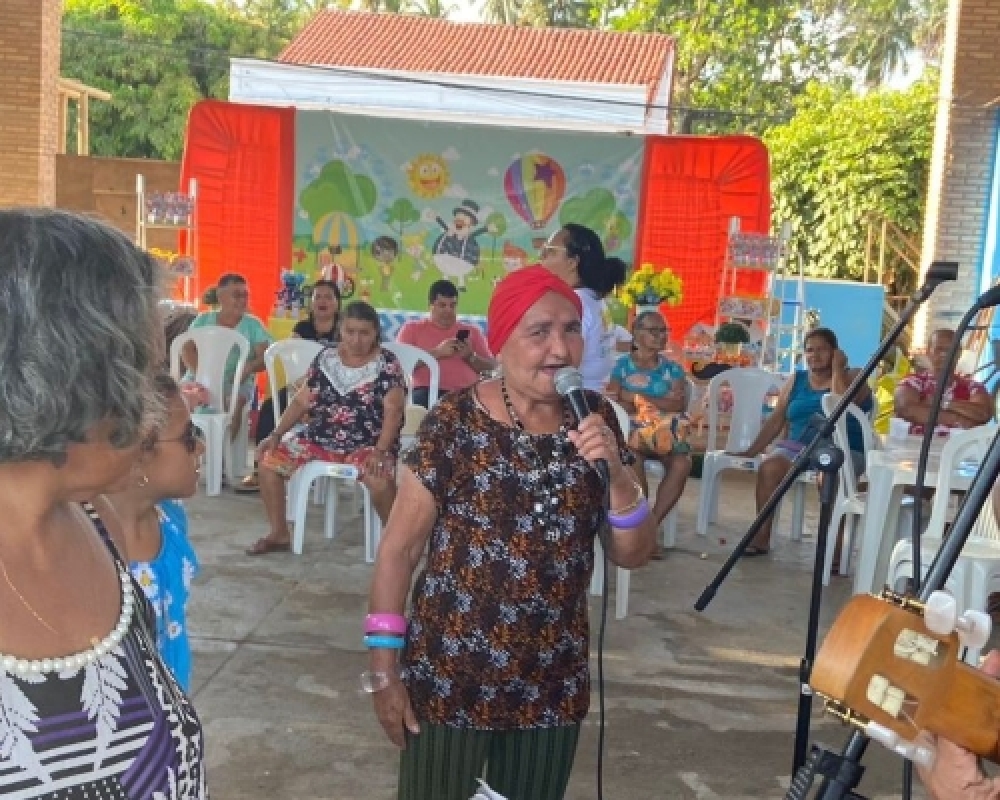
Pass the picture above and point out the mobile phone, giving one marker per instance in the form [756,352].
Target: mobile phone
[463,335]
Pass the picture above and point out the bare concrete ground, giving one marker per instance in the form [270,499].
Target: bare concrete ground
[699,705]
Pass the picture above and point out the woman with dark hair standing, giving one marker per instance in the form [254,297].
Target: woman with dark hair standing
[575,254]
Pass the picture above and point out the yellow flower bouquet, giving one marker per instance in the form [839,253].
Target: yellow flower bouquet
[649,286]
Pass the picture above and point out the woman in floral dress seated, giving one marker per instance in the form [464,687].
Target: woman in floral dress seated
[354,395]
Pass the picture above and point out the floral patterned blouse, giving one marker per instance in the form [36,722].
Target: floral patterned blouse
[348,412]
[498,634]
[166,580]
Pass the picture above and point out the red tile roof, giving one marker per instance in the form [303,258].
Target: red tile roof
[423,44]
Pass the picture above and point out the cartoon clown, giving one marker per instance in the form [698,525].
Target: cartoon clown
[456,251]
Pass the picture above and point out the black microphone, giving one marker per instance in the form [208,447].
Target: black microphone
[989,298]
[569,384]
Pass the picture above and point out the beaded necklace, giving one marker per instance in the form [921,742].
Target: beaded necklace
[24,667]
[546,501]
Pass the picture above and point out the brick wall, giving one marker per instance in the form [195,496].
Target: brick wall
[29,102]
[961,165]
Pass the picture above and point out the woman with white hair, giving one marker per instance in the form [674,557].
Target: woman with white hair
[87,708]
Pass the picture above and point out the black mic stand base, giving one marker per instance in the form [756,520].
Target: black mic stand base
[833,767]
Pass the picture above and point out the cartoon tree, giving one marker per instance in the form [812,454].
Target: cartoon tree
[595,209]
[336,188]
[400,215]
[496,226]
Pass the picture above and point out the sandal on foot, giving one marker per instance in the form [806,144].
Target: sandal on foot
[756,550]
[264,546]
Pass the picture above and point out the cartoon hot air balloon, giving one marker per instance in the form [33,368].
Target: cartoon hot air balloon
[336,228]
[535,184]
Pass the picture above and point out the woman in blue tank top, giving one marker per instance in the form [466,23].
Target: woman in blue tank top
[800,401]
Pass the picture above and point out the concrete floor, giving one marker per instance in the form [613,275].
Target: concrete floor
[699,705]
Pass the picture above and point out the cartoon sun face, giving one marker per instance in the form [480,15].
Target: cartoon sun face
[428,175]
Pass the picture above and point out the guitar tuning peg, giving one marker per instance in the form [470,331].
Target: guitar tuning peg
[974,629]
[941,617]
[941,613]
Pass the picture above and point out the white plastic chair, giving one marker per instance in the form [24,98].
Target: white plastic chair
[750,387]
[850,500]
[977,572]
[294,356]
[214,345]
[409,358]
[623,577]
[290,359]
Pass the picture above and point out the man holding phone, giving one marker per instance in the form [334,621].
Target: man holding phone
[460,349]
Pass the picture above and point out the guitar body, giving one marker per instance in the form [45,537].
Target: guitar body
[881,662]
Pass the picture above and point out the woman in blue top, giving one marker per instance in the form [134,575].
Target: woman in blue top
[800,400]
[156,527]
[647,374]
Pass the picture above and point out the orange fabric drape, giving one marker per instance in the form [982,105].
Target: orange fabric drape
[691,187]
[243,158]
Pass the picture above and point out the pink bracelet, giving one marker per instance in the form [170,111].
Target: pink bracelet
[633,519]
[386,623]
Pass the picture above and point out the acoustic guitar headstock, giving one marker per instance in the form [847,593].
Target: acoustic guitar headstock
[890,666]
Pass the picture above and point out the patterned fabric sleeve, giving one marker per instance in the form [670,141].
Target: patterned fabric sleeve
[600,404]
[391,375]
[431,458]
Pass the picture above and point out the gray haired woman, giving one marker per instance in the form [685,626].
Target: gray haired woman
[87,708]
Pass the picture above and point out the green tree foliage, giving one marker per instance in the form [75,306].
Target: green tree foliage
[845,156]
[159,57]
[336,188]
[752,58]
[496,227]
[400,215]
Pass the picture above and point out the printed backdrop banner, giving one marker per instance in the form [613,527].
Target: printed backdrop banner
[389,206]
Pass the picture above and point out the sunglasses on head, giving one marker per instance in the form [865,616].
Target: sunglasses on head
[190,438]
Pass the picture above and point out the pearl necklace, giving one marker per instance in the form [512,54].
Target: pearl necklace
[23,667]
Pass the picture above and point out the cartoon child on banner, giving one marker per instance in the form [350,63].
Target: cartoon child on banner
[456,251]
[385,250]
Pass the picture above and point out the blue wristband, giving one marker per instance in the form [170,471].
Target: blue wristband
[384,642]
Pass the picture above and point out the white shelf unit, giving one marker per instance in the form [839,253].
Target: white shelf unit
[187,289]
[775,315]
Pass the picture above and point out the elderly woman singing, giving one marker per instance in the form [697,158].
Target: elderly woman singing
[500,493]
[87,707]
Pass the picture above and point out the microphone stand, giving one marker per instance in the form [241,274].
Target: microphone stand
[937,274]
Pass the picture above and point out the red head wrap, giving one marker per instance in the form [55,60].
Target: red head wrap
[518,292]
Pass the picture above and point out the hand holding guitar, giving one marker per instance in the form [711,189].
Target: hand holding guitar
[956,774]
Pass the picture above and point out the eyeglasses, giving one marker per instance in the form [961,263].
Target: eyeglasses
[656,331]
[552,249]
[191,437]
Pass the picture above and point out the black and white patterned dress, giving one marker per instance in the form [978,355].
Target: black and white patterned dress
[117,727]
